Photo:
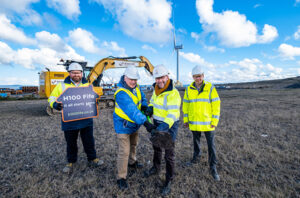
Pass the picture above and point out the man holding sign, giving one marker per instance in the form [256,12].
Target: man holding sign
[75,96]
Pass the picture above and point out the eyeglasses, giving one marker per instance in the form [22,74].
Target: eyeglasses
[75,73]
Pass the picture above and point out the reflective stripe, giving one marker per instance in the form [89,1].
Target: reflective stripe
[200,100]
[215,116]
[168,107]
[187,92]
[215,99]
[185,115]
[211,88]
[158,118]
[172,117]
[172,107]
[52,98]
[165,100]
[63,87]
[185,100]
[199,123]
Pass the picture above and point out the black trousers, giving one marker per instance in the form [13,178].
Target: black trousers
[88,142]
[210,139]
[169,158]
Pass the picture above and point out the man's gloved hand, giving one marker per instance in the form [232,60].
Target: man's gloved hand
[144,109]
[149,111]
[58,106]
[149,126]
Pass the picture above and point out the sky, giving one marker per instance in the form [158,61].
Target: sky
[232,40]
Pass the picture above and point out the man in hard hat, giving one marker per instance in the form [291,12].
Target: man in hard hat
[165,102]
[73,128]
[130,101]
[201,109]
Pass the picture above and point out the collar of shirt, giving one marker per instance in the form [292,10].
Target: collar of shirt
[77,85]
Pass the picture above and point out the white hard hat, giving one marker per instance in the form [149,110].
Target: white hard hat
[132,72]
[159,71]
[197,70]
[75,66]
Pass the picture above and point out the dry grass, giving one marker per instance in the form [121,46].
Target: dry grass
[32,152]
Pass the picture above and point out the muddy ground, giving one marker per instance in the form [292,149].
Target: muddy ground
[257,141]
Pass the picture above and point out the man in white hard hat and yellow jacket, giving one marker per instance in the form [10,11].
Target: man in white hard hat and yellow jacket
[201,113]
[130,101]
[165,102]
[73,128]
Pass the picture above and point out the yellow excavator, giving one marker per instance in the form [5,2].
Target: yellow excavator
[49,79]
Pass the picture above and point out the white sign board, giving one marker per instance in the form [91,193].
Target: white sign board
[125,64]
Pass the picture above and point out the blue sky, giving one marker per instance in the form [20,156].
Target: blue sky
[233,41]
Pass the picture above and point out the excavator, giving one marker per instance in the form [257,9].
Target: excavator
[49,79]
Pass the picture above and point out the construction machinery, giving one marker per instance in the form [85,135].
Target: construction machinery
[49,79]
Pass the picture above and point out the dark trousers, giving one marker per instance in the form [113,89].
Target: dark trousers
[210,139]
[88,142]
[169,158]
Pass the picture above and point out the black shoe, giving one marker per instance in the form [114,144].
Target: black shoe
[135,165]
[151,171]
[166,189]
[215,174]
[195,160]
[122,183]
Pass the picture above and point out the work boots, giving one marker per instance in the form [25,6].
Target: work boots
[68,168]
[122,184]
[151,171]
[215,174]
[135,165]
[95,163]
[166,189]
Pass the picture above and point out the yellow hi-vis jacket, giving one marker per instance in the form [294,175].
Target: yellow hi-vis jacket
[166,106]
[201,110]
[61,87]
[137,99]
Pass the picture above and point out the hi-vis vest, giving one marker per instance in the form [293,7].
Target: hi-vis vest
[137,99]
[201,110]
[61,87]
[166,106]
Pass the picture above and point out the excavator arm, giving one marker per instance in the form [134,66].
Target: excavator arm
[96,73]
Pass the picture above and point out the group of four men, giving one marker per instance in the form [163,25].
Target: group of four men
[201,109]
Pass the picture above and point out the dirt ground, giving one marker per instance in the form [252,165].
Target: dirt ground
[257,142]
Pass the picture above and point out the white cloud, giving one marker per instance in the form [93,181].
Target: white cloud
[257,5]
[196,59]
[248,70]
[22,8]
[288,51]
[84,39]
[213,49]
[6,53]
[269,34]
[147,47]
[52,41]
[140,19]
[195,36]
[68,8]
[10,32]
[34,58]
[232,28]
[115,48]
[297,33]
